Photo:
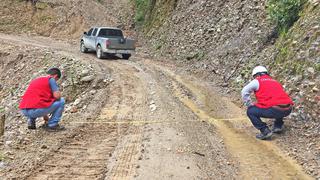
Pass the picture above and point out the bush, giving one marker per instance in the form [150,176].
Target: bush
[141,7]
[284,12]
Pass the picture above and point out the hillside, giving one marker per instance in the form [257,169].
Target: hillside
[59,18]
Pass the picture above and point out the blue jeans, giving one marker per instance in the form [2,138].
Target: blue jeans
[255,113]
[55,110]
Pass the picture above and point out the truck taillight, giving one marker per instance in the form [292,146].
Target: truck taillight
[108,42]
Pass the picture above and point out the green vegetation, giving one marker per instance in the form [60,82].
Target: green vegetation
[152,14]
[296,49]
[284,13]
[141,7]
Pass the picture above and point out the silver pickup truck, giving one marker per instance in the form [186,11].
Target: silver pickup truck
[107,41]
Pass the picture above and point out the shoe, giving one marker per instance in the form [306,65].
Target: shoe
[277,130]
[55,128]
[32,126]
[265,134]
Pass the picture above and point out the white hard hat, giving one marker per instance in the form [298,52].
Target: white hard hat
[259,69]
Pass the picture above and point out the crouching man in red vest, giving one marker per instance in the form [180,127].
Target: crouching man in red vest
[272,102]
[43,98]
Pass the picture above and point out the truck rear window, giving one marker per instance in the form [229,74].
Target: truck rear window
[110,32]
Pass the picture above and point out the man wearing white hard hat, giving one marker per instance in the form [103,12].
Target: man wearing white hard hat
[272,102]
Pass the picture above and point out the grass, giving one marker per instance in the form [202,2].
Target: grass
[284,13]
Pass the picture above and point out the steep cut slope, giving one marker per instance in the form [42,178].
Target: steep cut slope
[212,35]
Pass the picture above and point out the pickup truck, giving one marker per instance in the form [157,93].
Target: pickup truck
[107,41]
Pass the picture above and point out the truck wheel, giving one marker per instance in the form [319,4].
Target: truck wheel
[83,49]
[99,52]
[126,56]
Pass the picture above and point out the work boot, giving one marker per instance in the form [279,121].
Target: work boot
[32,124]
[55,128]
[265,134]
[32,127]
[277,130]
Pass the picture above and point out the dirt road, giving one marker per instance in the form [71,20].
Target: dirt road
[158,123]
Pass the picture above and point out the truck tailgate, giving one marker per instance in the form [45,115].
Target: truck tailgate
[121,44]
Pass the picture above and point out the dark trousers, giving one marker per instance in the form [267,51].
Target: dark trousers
[255,114]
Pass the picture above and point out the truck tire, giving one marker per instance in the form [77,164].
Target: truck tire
[83,49]
[126,56]
[99,52]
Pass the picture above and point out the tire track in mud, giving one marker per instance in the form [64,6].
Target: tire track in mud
[126,155]
[172,145]
[129,108]
[81,157]
[260,159]
[102,151]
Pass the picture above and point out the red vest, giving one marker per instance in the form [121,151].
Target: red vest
[38,94]
[270,93]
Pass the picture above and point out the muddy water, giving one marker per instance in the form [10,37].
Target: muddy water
[257,159]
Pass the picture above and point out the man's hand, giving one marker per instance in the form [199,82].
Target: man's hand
[248,103]
[46,118]
[57,95]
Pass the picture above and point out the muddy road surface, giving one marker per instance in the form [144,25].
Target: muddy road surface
[158,122]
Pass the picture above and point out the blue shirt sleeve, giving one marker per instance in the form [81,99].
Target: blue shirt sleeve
[53,85]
